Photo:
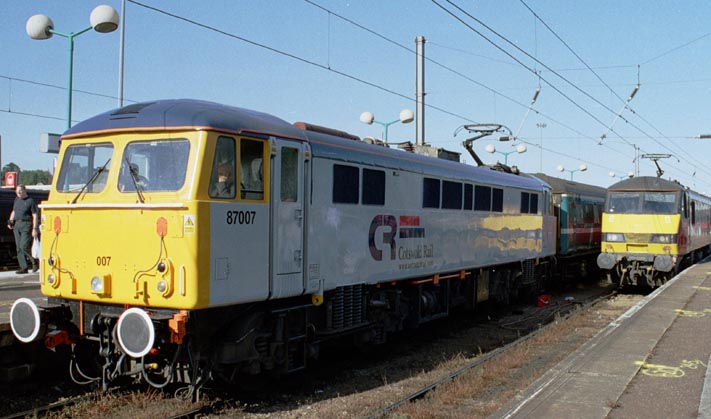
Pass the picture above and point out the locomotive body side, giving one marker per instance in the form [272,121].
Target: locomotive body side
[426,220]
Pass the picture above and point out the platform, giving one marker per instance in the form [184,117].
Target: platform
[651,362]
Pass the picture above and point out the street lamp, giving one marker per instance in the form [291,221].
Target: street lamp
[406,116]
[521,148]
[629,175]
[103,19]
[582,168]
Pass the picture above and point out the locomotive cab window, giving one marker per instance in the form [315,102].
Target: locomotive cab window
[642,202]
[85,166]
[251,169]
[222,179]
[154,166]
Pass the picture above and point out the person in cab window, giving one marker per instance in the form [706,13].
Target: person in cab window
[225,185]
[126,181]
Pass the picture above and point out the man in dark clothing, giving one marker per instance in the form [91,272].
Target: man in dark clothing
[24,221]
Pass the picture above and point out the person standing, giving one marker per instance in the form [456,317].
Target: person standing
[24,221]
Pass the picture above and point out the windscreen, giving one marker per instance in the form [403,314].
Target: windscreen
[154,166]
[647,202]
[81,164]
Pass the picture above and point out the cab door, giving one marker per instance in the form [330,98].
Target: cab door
[289,161]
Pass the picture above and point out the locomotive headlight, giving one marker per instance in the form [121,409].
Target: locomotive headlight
[662,238]
[162,286]
[101,284]
[52,280]
[613,237]
[97,285]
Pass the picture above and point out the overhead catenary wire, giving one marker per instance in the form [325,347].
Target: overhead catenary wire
[453,71]
[629,99]
[292,56]
[532,71]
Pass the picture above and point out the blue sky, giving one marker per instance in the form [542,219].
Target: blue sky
[316,67]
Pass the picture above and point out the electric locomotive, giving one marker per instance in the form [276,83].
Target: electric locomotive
[651,228]
[184,240]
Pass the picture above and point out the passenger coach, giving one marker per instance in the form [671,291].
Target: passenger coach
[184,240]
[651,228]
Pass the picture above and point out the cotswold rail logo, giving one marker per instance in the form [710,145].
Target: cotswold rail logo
[390,229]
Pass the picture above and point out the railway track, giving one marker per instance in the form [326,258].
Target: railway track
[521,322]
[564,311]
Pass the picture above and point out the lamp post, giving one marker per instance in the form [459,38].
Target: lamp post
[521,148]
[582,168]
[103,19]
[406,116]
[629,175]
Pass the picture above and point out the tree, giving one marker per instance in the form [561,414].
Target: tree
[27,177]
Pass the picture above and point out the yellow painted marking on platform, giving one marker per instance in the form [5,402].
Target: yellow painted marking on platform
[666,371]
[698,287]
[689,313]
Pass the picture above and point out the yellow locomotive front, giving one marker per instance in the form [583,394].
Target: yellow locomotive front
[152,237]
[120,225]
[650,227]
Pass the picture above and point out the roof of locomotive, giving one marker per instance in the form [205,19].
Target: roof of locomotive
[183,114]
[562,186]
[647,183]
[189,114]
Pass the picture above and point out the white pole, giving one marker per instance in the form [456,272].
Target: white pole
[420,86]
[120,69]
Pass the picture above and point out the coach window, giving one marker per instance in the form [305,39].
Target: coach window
[251,169]
[289,174]
[497,202]
[451,195]
[468,196]
[430,193]
[693,212]
[482,198]
[529,203]
[373,187]
[222,179]
[345,184]
[525,202]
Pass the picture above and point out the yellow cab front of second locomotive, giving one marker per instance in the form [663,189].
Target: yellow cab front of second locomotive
[121,225]
[642,229]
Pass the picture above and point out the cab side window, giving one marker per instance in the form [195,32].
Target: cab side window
[251,169]
[222,179]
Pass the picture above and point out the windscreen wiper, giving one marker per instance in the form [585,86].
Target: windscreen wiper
[91,180]
[135,180]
